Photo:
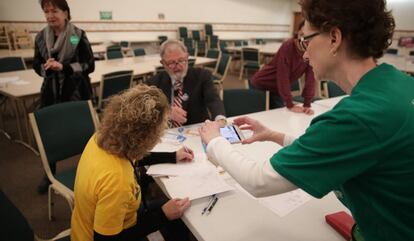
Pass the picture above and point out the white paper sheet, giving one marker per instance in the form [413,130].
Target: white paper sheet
[195,187]
[284,203]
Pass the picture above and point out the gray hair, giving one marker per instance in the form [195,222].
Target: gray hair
[172,44]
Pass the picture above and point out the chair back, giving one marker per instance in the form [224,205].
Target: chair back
[411,53]
[213,53]
[139,52]
[208,28]
[114,52]
[11,64]
[392,51]
[113,83]
[260,41]
[333,90]
[250,55]
[124,44]
[244,101]
[245,43]
[238,43]
[213,42]
[201,47]
[62,131]
[182,32]
[223,64]
[162,39]
[188,42]
[195,34]
[192,51]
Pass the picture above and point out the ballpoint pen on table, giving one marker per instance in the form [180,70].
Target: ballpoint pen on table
[212,205]
[208,205]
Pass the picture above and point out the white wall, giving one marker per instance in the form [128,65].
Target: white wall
[402,11]
[233,11]
[201,11]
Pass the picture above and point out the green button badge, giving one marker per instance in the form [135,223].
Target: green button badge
[74,39]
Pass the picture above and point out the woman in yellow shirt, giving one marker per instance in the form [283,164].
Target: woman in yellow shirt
[107,195]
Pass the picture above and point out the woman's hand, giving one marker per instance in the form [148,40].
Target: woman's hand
[184,154]
[260,132]
[53,65]
[209,131]
[175,208]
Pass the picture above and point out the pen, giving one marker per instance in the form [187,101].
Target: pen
[209,203]
[212,205]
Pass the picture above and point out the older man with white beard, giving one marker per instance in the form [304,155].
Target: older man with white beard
[190,91]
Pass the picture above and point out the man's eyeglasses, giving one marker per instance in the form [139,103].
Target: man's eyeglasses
[304,40]
[172,64]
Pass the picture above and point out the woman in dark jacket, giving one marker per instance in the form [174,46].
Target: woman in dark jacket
[63,56]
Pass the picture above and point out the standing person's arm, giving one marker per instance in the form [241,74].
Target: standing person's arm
[283,78]
[309,90]
[212,99]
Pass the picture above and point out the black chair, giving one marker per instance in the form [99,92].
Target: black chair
[62,131]
[113,83]
[182,33]
[188,42]
[139,52]
[14,226]
[245,101]
[392,51]
[124,44]
[250,60]
[114,52]
[213,54]
[222,68]
[201,48]
[260,41]
[192,51]
[208,28]
[162,39]
[212,42]
[195,34]
[411,53]
[12,64]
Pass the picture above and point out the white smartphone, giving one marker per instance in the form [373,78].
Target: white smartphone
[232,133]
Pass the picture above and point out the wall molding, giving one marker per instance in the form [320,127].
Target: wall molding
[154,26]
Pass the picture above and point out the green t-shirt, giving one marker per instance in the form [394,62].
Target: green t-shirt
[363,149]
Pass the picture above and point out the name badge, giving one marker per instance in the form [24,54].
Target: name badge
[74,39]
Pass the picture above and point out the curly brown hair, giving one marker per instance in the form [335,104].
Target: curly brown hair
[133,122]
[365,24]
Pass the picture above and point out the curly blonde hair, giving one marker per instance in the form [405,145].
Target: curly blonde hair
[133,122]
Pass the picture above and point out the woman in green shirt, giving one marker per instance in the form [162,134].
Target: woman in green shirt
[363,148]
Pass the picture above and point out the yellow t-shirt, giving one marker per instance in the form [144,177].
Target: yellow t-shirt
[107,195]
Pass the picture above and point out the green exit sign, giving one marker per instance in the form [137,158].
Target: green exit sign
[105,15]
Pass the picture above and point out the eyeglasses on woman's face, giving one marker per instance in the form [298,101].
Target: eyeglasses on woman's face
[304,40]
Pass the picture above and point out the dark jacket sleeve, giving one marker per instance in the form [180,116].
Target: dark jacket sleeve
[157,158]
[148,222]
[38,60]
[85,62]
[212,98]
